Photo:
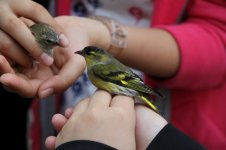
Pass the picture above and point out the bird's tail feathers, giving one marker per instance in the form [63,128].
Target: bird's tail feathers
[148,101]
[157,93]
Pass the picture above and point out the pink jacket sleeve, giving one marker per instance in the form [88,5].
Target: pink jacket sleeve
[202,44]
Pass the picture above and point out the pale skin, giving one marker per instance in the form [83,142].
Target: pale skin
[42,80]
[157,50]
[160,47]
[15,35]
[155,47]
[101,118]
[17,40]
[101,115]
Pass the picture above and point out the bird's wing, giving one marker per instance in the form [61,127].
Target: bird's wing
[121,76]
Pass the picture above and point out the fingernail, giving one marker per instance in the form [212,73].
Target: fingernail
[46,59]
[63,40]
[45,93]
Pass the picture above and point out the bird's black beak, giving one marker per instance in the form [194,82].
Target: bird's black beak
[80,52]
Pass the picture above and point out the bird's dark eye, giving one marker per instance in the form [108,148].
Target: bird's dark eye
[48,41]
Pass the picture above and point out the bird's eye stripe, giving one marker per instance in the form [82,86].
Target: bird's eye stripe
[92,52]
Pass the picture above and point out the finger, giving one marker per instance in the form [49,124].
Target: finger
[100,99]
[12,50]
[122,101]
[80,107]
[5,66]
[58,121]
[68,112]
[50,142]
[10,61]
[71,70]
[26,21]
[16,83]
[13,26]
[38,13]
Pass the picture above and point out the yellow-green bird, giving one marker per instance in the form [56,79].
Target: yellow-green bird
[46,37]
[107,73]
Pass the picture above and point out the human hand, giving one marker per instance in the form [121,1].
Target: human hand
[16,37]
[99,118]
[148,125]
[40,80]
[69,65]
[146,120]
[84,32]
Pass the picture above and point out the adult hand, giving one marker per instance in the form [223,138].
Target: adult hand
[40,80]
[16,37]
[44,82]
[82,32]
[146,120]
[99,118]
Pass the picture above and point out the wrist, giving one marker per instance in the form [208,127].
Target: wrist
[117,34]
[98,33]
[147,119]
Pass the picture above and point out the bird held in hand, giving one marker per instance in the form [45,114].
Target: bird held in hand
[107,73]
[46,37]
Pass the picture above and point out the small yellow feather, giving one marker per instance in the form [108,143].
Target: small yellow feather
[124,82]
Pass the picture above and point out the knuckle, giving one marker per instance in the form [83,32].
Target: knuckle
[2,60]
[93,116]
[121,114]
[10,24]
[121,111]
[6,44]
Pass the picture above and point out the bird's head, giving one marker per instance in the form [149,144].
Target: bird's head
[94,55]
[45,35]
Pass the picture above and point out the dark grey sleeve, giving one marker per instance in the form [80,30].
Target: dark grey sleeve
[170,138]
[84,145]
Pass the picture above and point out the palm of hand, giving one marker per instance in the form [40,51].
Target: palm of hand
[67,66]
[30,82]
[26,81]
